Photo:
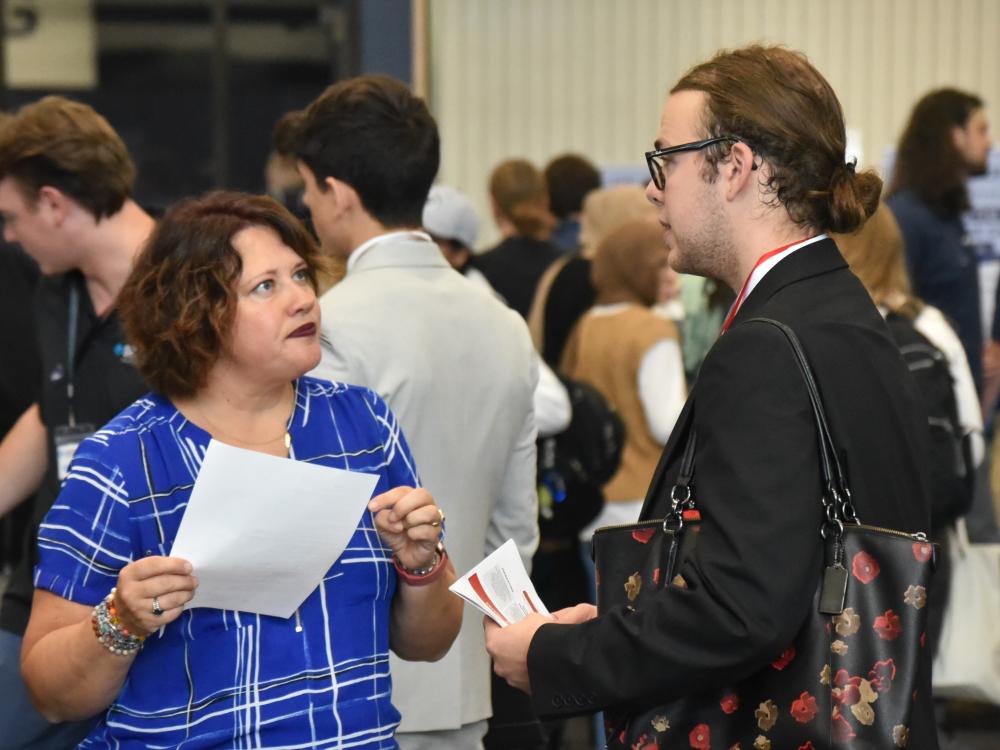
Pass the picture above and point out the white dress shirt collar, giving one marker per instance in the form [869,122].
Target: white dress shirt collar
[367,245]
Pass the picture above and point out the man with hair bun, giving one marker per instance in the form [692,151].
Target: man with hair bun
[748,174]
[66,183]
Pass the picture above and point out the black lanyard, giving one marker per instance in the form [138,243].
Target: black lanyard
[71,326]
[73,351]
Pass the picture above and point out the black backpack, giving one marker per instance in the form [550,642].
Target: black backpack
[575,464]
[951,471]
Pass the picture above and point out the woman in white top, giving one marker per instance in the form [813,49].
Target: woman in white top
[875,254]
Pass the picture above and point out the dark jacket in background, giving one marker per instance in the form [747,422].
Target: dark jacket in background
[19,364]
[514,267]
[944,271]
[570,295]
[19,368]
[105,381]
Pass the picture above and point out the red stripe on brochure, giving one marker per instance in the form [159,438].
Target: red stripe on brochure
[477,586]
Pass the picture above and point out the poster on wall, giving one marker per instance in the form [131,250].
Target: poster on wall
[983,223]
[50,45]
[624,174]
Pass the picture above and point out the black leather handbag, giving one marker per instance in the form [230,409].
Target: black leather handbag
[847,680]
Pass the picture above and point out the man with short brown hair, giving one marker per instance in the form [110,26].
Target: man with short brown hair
[455,365]
[65,196]
[570,178]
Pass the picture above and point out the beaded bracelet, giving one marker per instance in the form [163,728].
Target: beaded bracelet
[109,629]
[422,576]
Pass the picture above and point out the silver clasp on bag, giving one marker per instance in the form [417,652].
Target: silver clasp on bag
[839,510]
[674,520]
[847,511]
[833,507]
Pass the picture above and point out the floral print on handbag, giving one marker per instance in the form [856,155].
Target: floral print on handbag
[848,679]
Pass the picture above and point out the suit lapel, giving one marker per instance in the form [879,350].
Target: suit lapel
[819,258]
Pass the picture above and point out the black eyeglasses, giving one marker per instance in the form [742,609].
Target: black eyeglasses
[654,159]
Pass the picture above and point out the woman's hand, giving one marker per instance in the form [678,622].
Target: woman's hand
[409,522]
[167,581]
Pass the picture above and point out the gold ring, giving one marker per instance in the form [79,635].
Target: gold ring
[440,519]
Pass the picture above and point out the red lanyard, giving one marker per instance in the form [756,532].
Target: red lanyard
[743,292]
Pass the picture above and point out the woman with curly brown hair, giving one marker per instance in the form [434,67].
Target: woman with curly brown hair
[221,310]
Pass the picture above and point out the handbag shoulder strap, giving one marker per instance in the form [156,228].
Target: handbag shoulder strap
[654,494]
[834,479]
[837,496]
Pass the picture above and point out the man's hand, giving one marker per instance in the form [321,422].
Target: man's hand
[575,615]
[509,648]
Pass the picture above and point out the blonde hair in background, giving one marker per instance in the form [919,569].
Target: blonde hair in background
[875,253]
[606,209]
[521,196]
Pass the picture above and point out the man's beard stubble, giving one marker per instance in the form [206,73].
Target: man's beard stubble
[707,251]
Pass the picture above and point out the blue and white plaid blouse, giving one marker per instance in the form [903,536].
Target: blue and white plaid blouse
[218,678]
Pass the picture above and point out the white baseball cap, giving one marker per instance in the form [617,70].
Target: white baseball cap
[448,214]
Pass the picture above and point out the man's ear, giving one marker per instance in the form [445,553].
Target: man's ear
[738,170]
[342,197]
[53,204]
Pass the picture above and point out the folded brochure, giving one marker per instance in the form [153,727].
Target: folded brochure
[500,587]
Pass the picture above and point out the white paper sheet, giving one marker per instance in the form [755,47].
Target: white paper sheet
[500,587]
[262,531]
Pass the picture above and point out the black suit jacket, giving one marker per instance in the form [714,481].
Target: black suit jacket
[757,484]
[514,268]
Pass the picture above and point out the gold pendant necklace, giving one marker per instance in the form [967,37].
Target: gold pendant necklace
[285,436]
[214,430]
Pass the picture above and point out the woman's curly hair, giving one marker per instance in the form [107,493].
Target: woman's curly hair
[179,303]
